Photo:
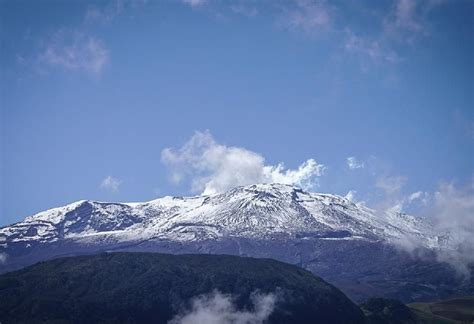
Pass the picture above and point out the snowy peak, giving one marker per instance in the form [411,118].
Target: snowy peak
[259,211]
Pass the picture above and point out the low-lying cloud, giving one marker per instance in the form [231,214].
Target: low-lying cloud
[450,210]
[453,213]
[215,168]
[218,308]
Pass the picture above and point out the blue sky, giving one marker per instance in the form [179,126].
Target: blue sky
[132,100]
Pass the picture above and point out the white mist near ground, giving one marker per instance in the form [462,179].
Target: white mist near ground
[218,308]
[454,214]
[450,210]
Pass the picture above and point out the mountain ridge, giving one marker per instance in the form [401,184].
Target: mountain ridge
[243,211]
[352,246]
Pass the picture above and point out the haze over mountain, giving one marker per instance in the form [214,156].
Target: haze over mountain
[354,247]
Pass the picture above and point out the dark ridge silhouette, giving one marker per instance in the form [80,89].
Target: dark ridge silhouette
[153,288]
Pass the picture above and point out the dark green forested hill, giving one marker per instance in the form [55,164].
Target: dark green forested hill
[157,288]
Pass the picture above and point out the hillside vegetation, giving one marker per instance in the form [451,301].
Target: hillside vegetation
[155,288]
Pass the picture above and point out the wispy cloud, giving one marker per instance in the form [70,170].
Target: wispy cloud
[353,163]
[370,51]
[393,198]
[391,187]
[195,3]
[391,24]
[244,9]
[110,184]
[402,20]
[78,48]
[214,167]
[104,14]
[450,210]
[110,10]
[418,197]
[218,308]
[391,184]
[407,20]
[74,50]
[307,15]
[405,16]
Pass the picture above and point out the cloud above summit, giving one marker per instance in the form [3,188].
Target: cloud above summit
[213,168]
[110,184]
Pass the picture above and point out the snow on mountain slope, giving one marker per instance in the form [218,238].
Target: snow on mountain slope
[258,211]
[326,234]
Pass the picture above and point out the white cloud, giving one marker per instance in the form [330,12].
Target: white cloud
[110,184]
[353,163]
[3,258]
[415,196]
[419,197]
[307,15]
[215,168]
[453,212]
[450,210]
[74,50]
[303,176]
[218,308]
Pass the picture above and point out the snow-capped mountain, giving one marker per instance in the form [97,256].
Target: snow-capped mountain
[257,211]
[327,234]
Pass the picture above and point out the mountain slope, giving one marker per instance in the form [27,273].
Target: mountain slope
[145,287]
[257,211]
[348,244]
